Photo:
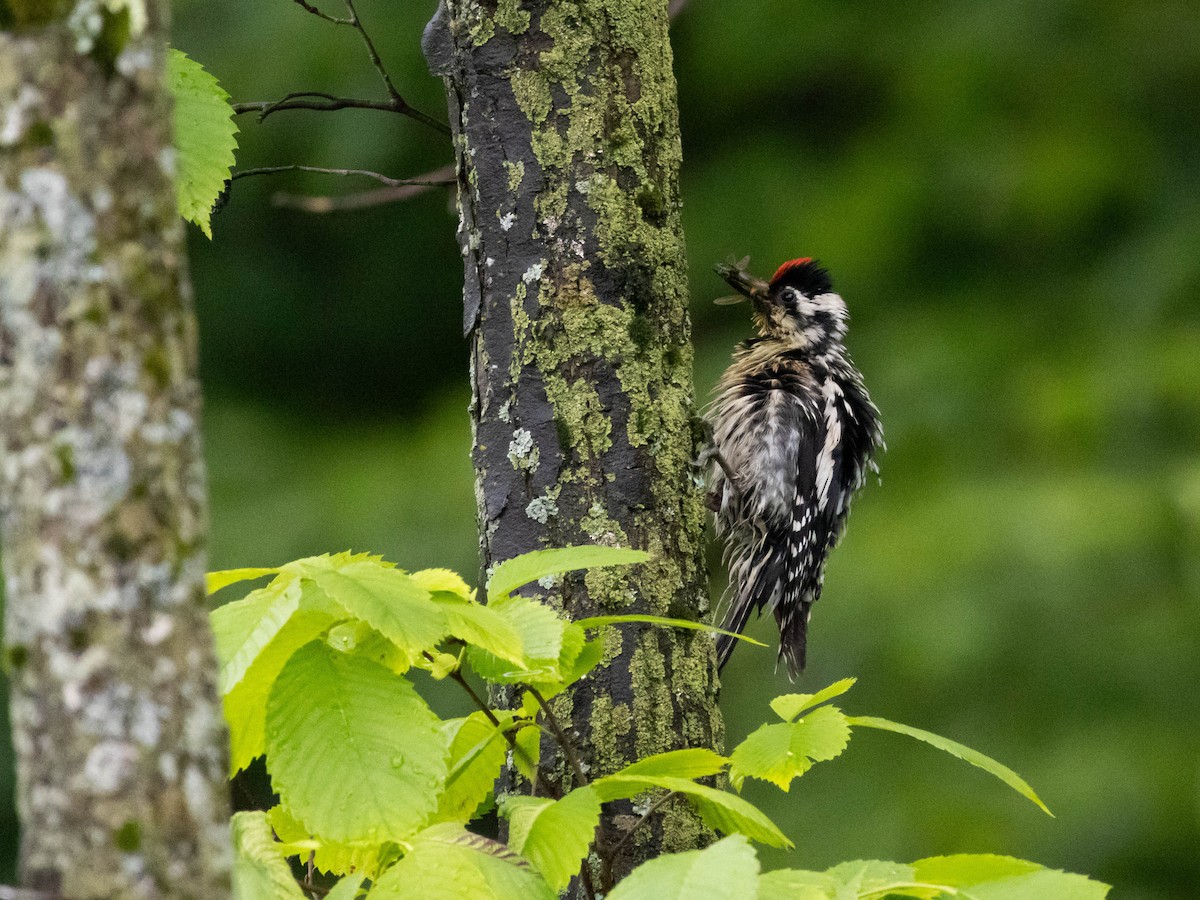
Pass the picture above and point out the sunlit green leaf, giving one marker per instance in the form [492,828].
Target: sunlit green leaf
[795,884]
[327,856]
[864,877]
[528,752]
[529,567]
[966,869]
[443,581]
[974,757]
[205,138]
[353,751]
[727,870]
[541,632]
[721,810]
[782,752]
[215,581]
[387,600]
[259,870]
[483,627]
[242,629]
[554,835]
[788,706]
[246,705]
[477,753]
[347,888]
[694,762]
[446,862]
[991,877]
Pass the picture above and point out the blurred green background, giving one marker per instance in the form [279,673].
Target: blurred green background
[1007,195]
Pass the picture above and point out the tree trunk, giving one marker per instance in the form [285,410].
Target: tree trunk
[120,745]
[566,129]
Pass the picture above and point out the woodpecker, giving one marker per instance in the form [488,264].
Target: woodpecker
[795,435]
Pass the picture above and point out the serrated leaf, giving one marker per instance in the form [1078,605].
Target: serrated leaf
[796,884]
[863,877]
[477,753]
[602,621]
[353,751]
[974,757]
[694,762]
[788,706]
[215,581]
[529,567]
[443,581]
[327,856]
[205,138]
[528,752]
[246,705]
[727,870]
[541,632]
[554,835]
[259,870]
[387,600]
[1043,883]
[784,751]
[966,869]
[482,627]
[445,862]
[242,629]
[726,812]
[347,888]
[590,655]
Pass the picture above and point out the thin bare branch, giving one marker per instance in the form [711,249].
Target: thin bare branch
[422,184]
[654,807]
[308,7]
[321,170]
[372,52]
[328,102]
[567,747]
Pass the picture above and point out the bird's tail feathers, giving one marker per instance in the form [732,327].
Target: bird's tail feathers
[756,575]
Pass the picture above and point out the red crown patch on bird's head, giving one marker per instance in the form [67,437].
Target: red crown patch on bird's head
[790,264]
[805,275]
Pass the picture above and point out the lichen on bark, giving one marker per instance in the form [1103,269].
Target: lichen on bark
[575,302]
[120,747]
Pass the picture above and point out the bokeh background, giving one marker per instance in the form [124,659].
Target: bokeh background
[1007,195]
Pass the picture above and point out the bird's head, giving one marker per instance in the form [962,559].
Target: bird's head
[800,305]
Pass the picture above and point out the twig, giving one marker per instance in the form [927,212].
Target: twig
[372,52]
[320,15]
[377,197]
[654,807]
[321,170]
[560,736]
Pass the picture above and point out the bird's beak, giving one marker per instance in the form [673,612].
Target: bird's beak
[743,282]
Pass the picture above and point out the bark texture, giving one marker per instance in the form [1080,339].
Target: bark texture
[566,126]
[121,750]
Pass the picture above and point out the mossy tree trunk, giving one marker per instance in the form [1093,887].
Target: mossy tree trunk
[566,127]
[121,750]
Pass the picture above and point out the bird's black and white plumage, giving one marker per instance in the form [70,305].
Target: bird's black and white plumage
[794,437]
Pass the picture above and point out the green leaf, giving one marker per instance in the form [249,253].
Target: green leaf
[387,600]
[788,706]
[446,862]
[528,752]
[353,751]
[991,877]
[727,870]
[529,567]
[795,884]
[1044,883]
[966,869]
[205,138]
[217,580]
[864,877]
[246,705]
[477,753]
[242,629]
[259,870]
[482,627]
[541,633]
[443,581]
[974,757]
[554,835]
[347,888]
[695,762]
[590,655]
[726,812]
[601,621]
[328,856]
[784,751]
